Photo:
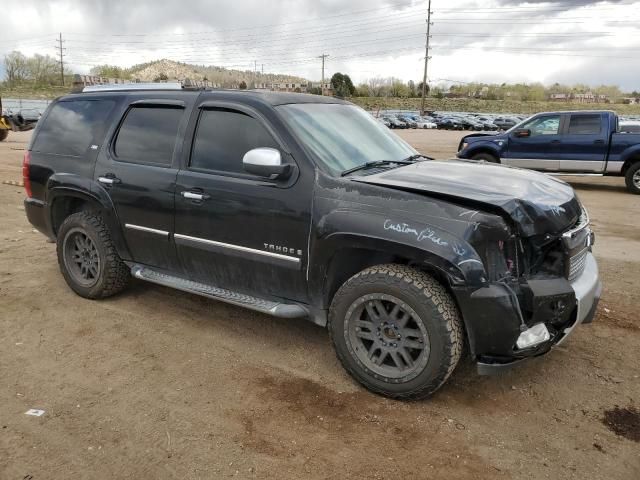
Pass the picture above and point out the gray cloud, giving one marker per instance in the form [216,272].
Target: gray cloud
[287,36]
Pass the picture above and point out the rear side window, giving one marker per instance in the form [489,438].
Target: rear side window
[148,135]
[223,137]
[585,125]
[70,127]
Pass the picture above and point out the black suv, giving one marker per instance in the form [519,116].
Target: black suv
[303,206]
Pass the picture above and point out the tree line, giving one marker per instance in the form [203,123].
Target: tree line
[36,70]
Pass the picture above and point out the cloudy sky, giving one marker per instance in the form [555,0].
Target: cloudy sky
[484,40]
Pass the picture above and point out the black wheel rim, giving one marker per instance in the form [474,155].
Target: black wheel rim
[387,336]
[81,257]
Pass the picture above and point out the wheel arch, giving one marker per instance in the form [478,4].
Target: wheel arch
[630,158]
[356,254]
[65,200]
[485,150]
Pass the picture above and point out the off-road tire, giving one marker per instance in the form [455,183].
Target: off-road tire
[487,157]
[3,135]
[634,170]
[113,275]
[436,309]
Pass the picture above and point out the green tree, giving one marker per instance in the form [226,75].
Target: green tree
[243,85]
[342,85]
[110,71]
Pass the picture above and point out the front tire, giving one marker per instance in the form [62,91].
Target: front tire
[88,258]
[397,331]
[632,178]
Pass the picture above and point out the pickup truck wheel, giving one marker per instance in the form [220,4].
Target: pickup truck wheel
[396,330]
[87,257]
[487,157]
[632,178]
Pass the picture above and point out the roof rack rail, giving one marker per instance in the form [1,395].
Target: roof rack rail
[110,87]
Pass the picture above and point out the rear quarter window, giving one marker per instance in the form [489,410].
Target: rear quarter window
[585,125]
[70,127]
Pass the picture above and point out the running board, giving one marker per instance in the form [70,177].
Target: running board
[561,174]
[282,310]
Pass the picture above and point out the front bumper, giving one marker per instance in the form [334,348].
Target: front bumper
[588,289]
[493,320]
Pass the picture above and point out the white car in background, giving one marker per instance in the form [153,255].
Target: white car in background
[422,122]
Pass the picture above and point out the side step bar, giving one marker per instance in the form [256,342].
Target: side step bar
[283,310]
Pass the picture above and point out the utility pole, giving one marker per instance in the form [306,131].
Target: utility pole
[323,56]
[426,58]
[61,53]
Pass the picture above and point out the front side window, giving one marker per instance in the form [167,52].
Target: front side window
[549,125]
[70,126]
[585,125]
[148,135]
[223,137]
[342,137]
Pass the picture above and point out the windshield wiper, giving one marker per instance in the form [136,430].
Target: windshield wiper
[375,163]
[417,156]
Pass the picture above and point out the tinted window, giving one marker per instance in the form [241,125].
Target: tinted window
[148,135]
[223,137]
[70,126]
[549,125]
[585,125]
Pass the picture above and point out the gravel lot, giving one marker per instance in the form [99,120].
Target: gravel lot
[156,383]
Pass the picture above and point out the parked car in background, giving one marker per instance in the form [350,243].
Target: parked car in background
[569,143]
[505,123]
[471,123]
[424,122]
[383,121]
[411,123]
[394,122]
[448,123]
[629,127]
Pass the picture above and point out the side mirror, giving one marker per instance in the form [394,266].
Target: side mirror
[522,133]
[265,162]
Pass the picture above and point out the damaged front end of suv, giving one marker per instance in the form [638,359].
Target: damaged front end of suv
[532,277]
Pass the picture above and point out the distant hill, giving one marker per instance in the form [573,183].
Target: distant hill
[218,76]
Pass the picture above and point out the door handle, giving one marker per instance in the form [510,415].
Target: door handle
[109,179]
[195,195]
[598,142]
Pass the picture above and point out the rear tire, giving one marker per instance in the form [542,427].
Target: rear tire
[632,178]
[396,331]
[88,258]
[487,157]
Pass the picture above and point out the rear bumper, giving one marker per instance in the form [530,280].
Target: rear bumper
[37,215]
[588,289]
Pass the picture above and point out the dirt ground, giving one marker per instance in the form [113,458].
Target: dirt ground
[155,383]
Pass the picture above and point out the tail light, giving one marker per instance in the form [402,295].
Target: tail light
[26,180]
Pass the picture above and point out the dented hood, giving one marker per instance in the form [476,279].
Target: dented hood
[537,203]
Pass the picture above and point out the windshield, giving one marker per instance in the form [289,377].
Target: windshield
[342,137]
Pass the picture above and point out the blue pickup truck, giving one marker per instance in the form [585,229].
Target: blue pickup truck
[570,143]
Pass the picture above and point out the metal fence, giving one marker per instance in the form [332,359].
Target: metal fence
[17,104]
